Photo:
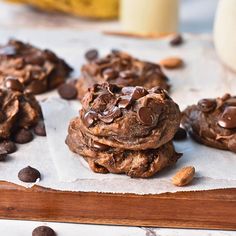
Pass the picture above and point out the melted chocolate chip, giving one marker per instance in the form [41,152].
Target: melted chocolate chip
[39,129]
[67,91]
[91,55]
[43,231]
[13,84]
[110,115]
[124,101]
[181,134]
[177,40]
[23,136]
[145,115]
[109,74]
[207,105]
[228,118]
[139,92]
[100,146]
[8,147]
[29,174]
[89,118]
[36,87]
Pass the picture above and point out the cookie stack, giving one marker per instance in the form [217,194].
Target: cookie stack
[121,69]
[125,130]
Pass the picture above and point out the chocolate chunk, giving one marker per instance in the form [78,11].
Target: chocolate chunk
[124,101]
[109,74]
[181,134]
[145,115]
[14,84]
[110,115]
[207,105]
[67,91]
[91,55]
[89,118]
[7,51]
[7,146]
[39,129]
[43,231]
[228,118]
[100,146]
[29,174]
[139,92]
[3,156]
[23,136]
[177,40]
[36,87]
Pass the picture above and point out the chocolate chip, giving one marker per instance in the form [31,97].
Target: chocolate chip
[89,118]
[228,118]
[207,105]
[100,146]
[181,134]
[29,174]
[124,101]
[43,231]
[23,136]
[13,84]
[3,156]
[177,40]
[39,129]
[139,92]
[108,116]
[109,74]
[67,91]
[8,146]
[145,115]
[36,87]
[8,51]
[91,55]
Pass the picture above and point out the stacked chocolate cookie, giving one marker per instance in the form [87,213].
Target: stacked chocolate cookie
[38,70]
[125,130]
[213,122]
[121,69]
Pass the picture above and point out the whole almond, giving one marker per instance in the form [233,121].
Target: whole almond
[171,62]
[184,176]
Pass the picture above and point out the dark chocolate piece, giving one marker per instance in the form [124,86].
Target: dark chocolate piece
[29,174]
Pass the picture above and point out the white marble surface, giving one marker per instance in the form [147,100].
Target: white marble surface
[25,228]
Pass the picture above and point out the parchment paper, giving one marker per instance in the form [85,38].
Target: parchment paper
[203,76]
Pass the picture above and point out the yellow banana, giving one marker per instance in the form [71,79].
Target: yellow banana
[97,9]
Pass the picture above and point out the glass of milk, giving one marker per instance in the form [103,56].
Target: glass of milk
[149,16]
[225,32]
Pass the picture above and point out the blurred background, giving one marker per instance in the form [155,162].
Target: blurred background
[194,15]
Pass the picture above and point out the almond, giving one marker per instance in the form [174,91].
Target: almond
[184,176]
[172,62]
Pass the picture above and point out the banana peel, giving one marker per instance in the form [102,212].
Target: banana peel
[95,9]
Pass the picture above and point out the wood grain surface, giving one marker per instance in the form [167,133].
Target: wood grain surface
[214,209]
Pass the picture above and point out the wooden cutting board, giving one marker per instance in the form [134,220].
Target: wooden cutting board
[213,209]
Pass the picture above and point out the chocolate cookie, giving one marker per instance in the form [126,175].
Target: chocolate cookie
[37,70]
[18,110]
[121,69]
[103,159]
[129,117]
[213,122]
[125,130]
